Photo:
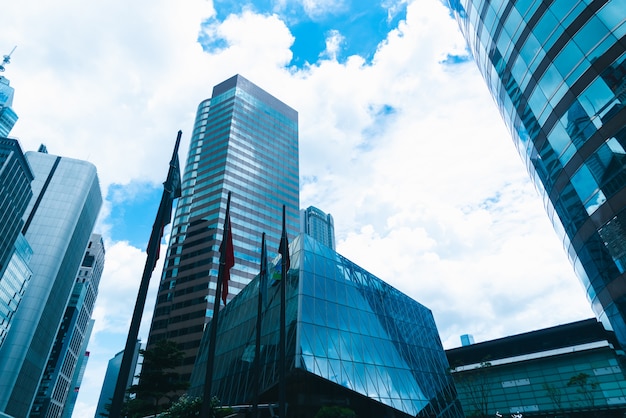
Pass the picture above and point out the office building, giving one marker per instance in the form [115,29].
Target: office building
[352,340]
[58,223]
[15,252]
[110,380]
[244,141]
[7,116]
[557,71]
[79,373]
[69,346]
[572,370]
[318,225]
[13,284]
[15,194]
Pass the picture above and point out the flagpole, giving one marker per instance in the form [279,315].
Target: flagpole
[282,384]
[170,191]
[208,378]
[257,346]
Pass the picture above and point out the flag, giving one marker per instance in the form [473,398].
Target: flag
[227,252]
[283,249]
[263,272]
[171,190]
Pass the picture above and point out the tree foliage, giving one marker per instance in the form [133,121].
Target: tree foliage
[158,384]
[186,407]
[335,412]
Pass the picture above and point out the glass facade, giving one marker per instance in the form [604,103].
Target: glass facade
[557,70]
[58,223]
[15,193]
[350,336]
[7,115]
[572,370]
[244,141]
[110,380]
[13,283]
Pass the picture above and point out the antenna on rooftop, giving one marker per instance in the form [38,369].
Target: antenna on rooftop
[6,60]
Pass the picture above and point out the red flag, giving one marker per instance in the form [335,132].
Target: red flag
[227,255]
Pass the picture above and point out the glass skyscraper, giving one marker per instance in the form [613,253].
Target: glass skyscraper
[352,339]
[110,379]
[58,223]
[244,141]
[557,70]
[15,194]
[15,252]
[7,116]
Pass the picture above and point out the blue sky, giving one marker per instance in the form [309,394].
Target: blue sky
[399,141]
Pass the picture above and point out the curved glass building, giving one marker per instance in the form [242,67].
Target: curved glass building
[352,340]
[557,70]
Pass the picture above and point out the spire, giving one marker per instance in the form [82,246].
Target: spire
[6,60]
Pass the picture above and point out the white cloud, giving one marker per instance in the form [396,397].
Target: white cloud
[409,156]
[334,41]
[317,9]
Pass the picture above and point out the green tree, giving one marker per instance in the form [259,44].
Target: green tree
[335,412]
[186,407]
[190,407]
[158,384]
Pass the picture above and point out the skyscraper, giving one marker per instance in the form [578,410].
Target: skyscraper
[318,225]
[557,70]
[110,379]
[7,115]
[58,223]
[244,141]
[15,194]
[15,252]
[68,349]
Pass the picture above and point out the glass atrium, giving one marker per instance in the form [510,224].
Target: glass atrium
[352,340]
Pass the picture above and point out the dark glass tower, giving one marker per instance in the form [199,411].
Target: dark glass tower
[351,339]
[557,70]
[244,141]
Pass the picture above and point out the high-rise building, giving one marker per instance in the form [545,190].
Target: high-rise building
[351,339]
[7,115]
[318,225]
[110,380]
[557,71]
[58,223]
[15,252]
[68,349]
[15,194]
[79,373]
[13,283]
[244,141]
